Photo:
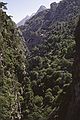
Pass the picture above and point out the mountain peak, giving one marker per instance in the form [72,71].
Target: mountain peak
[23,20]
[41,8]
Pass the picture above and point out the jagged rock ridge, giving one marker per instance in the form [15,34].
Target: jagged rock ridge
[40,23]
[22,22]
[42,8]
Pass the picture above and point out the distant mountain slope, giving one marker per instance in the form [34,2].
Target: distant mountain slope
[36,28]
[22,22]
[41,22]
[37,25]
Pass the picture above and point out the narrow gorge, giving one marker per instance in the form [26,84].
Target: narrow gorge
[40,64]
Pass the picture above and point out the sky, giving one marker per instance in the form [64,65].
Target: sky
[21,8]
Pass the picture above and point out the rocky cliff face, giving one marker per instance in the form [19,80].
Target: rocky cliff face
[67,9]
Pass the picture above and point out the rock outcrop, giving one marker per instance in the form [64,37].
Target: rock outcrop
[53,6]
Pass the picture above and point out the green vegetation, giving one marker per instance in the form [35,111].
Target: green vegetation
[50,61]
[34,83]
[12,67]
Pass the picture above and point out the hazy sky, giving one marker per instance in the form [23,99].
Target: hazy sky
[20,8]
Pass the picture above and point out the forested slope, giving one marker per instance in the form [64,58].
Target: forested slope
[12,67]
[70,107]
[50,39]
[36,82]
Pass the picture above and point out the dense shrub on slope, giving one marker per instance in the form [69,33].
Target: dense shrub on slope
[69,109]
[12,67]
